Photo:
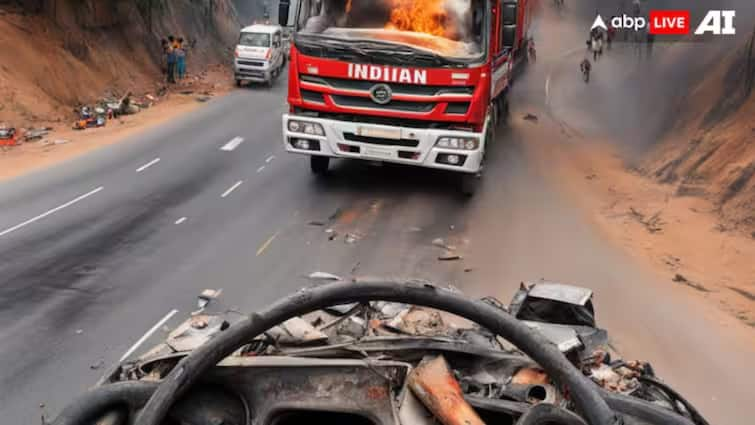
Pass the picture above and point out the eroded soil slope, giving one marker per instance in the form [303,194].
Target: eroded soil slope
[55,54]
[710,152]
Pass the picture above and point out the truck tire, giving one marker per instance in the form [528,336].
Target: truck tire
[468,184]
[319,165]
[238,83]
[503,111]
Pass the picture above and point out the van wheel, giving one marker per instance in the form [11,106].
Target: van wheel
[468,184]
[319,165]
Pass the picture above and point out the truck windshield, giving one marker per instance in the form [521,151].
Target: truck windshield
[451,29]
[255,39]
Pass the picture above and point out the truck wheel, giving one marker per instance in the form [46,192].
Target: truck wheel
[503,112]
[319,164]
[469,184]
[238,83]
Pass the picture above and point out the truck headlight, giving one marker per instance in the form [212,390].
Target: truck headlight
[305,127]
[461,143]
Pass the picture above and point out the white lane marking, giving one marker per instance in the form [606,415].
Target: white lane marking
[232,145]
[267,243]
[147,165]
[181,220]
[259,170]
[52,211]
[269,159]
[232,188]
[149,333]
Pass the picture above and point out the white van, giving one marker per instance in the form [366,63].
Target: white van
[260,56]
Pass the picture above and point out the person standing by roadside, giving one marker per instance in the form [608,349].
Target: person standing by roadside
[164,58]
[171,58]
[180,58]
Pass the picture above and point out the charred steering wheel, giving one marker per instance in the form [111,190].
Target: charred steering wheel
[584,393]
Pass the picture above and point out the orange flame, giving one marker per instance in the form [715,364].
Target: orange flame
[425,16]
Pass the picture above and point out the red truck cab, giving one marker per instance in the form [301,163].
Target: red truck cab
[419,83]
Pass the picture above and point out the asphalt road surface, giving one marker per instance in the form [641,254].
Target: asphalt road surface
[98,250]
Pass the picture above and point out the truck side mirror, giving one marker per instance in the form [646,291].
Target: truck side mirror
[509,36]
[510,12]
[283,11]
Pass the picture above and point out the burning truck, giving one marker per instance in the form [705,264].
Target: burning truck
[415,82]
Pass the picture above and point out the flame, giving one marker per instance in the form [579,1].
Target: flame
[425,16]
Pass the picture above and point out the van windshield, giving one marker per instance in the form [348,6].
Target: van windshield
[255,39]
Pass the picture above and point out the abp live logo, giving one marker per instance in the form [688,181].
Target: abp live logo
[675,22]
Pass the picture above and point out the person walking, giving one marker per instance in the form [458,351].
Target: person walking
[171,59]
[180,58]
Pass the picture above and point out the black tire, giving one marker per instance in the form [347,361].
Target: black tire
[238,83]
[503,111]
[468,184]
[319,165]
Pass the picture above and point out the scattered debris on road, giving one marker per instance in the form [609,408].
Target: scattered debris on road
[8,136]
[531,117]
[449,257]
[98,365]
[323,276]
[36,134]
[316,223]
[79,331]
[352,238]
[203,98]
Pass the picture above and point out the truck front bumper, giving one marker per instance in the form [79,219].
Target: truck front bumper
[372,142]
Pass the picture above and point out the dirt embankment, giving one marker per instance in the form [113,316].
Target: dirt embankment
[710,152]
[687,206]
[56,54]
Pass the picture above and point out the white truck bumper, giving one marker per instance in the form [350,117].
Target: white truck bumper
[372,142]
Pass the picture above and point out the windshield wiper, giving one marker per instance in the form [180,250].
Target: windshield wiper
[332,48]
[372,51]
[408,54]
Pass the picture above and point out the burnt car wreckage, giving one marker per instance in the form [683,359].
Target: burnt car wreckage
[375,352]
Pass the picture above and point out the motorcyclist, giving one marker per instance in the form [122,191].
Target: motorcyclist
[585,67]
[531,52]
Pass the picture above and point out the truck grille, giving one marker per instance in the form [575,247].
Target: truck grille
[394,105]
[408,143]
[410,89]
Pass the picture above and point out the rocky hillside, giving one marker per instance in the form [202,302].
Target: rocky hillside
[55,54]
[711,150]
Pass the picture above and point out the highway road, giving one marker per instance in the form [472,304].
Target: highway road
[99,249]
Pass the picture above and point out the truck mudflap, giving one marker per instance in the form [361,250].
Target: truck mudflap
[458,151]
